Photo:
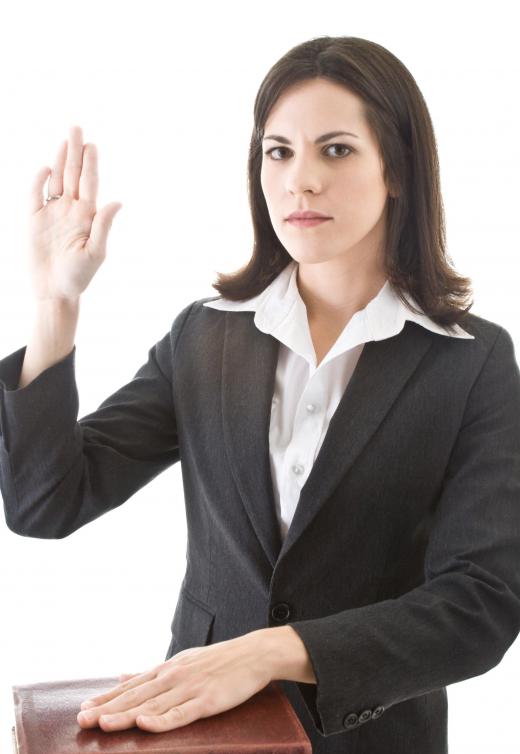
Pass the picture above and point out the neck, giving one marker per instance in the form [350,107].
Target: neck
[334,290]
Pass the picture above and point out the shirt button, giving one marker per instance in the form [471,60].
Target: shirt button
[311,407]
[297,468]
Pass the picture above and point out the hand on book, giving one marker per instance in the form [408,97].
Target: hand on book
[197,682]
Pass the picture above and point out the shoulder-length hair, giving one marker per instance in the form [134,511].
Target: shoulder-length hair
[415,257]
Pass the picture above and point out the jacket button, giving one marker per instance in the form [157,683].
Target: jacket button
[280,612]
[365,716]
[350,721]
[377,712]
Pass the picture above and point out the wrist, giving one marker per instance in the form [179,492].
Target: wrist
[286,655]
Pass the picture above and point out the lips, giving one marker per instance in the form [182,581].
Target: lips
[308,215]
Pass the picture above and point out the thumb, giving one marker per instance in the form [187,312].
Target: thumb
[101,225]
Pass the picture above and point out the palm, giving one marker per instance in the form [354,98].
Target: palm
[68,235]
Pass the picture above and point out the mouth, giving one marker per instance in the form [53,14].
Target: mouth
[308,215]
[307,222]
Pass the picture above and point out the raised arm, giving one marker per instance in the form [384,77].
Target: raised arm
[58,473]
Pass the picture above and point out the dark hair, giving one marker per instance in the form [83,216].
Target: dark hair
[415,257]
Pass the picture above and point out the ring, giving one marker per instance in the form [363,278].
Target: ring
[57,196]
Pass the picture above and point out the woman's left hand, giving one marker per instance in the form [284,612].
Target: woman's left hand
[197,682]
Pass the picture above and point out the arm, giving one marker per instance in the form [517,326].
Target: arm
[460,622]
[58,473]
[287,655]
[52,337]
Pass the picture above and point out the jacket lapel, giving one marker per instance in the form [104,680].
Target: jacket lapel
[248,373]
[249,365]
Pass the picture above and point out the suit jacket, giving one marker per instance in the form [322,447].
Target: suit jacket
[400,568]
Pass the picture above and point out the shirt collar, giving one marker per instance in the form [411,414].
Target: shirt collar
[280,311]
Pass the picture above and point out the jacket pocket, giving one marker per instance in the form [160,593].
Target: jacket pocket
[192,623]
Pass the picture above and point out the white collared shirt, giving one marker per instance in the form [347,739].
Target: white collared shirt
[305,395]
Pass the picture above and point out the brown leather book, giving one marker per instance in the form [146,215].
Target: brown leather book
[45,723]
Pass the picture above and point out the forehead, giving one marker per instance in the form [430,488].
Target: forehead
[316,104]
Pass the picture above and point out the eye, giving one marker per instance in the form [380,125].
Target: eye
[275,159]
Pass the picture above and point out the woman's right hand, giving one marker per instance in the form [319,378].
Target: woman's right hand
[68,236]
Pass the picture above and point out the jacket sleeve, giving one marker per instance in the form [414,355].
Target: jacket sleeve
[465,615]
[57,473]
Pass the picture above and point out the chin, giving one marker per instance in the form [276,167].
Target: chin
[310,256]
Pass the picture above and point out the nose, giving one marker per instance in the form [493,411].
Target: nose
[303,176]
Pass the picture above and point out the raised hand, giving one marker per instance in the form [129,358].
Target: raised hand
[68,236]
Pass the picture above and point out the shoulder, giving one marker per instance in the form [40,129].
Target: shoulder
[196,318]
[193,308]
[480,327]
[489,350]
[486,332]
[197,312]
[197,307]
[489,355]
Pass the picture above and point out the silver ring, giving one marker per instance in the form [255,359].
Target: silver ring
[58,196]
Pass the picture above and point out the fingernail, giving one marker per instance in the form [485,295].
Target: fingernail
[87,705]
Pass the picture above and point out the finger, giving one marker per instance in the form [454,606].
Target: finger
[120,712]
[127,676]
[153,698]
[89,703]
[121,678]
[89,179]
[122,687]
[56,180]
[74,162]
[36,195]
[153,695]
[176,717]
[101,224]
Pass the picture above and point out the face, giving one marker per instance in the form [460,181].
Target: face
[341,176]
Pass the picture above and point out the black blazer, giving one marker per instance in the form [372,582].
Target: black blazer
[400,570]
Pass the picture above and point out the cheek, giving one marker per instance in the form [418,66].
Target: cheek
[266,181]
[363,191]
[264,185]
[270,191]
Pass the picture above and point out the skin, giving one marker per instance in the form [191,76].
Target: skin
[68,245]
[200,682]
[341,260]
[68,236]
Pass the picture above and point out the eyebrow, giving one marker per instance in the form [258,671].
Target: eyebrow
[319,140]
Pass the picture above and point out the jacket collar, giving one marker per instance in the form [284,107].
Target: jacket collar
[281,312]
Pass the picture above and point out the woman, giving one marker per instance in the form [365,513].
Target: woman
[350,453]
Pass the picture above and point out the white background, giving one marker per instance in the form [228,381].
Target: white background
[166,92]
